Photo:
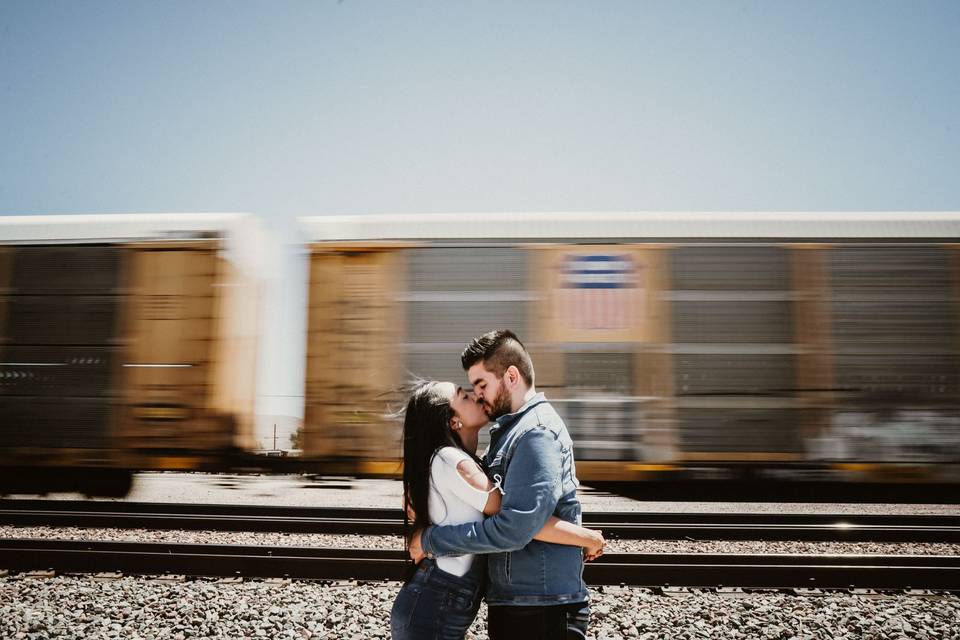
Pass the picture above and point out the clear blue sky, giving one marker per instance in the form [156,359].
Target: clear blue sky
[287,109]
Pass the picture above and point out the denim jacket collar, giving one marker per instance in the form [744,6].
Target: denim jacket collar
[503,423]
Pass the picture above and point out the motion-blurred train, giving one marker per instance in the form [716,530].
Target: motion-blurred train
[807,345]
[126,342]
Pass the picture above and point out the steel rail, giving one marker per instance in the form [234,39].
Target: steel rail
[367,521]
[779,571]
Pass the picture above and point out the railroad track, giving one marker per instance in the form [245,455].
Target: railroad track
[366,521]
[649,570]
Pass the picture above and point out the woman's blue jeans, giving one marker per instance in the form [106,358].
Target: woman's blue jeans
[437,604]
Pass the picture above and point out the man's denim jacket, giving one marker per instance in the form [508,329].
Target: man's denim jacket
[532,453]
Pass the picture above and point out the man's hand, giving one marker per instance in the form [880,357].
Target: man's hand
[415,550]
[595,550]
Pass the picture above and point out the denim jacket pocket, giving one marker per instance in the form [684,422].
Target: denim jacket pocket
[500,568]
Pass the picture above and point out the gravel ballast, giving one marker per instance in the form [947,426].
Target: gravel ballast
[135,607]
[84,607]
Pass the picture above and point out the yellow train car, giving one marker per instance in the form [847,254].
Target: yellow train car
[672,343]
[126,342]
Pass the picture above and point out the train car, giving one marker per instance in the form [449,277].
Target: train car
[809,344]
[126,342]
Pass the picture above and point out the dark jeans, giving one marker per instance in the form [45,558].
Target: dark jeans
[556,622]
[437,604]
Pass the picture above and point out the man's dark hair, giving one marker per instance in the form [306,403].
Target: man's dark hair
[499,350]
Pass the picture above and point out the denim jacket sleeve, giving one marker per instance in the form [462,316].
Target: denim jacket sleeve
[531,491]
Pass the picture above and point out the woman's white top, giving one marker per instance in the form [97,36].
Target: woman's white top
[453,501]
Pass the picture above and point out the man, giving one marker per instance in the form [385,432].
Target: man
[535,589]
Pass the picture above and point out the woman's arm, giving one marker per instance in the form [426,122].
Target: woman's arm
[560,531]
[556,531]
[476,478]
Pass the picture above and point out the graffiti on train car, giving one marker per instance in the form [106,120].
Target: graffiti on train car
[904,434]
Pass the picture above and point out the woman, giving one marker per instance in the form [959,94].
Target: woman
[443,483]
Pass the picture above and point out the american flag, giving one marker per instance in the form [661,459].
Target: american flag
[596,292]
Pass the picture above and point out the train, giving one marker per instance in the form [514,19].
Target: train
[127,342]
[675,345]
[814,344]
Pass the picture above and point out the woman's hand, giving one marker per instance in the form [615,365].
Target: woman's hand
[595,549]
[415,550]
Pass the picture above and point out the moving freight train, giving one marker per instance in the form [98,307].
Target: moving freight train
[126,342]
[673,344]
[822,345]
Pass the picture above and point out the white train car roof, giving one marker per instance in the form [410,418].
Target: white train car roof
[120,227]
[720,226]
[241,232]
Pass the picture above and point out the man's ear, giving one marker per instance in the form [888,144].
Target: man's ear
[512,375]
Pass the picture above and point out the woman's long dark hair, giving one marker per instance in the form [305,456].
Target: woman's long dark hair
[426,428]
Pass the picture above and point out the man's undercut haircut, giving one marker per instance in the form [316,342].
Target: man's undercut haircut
[498,351]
